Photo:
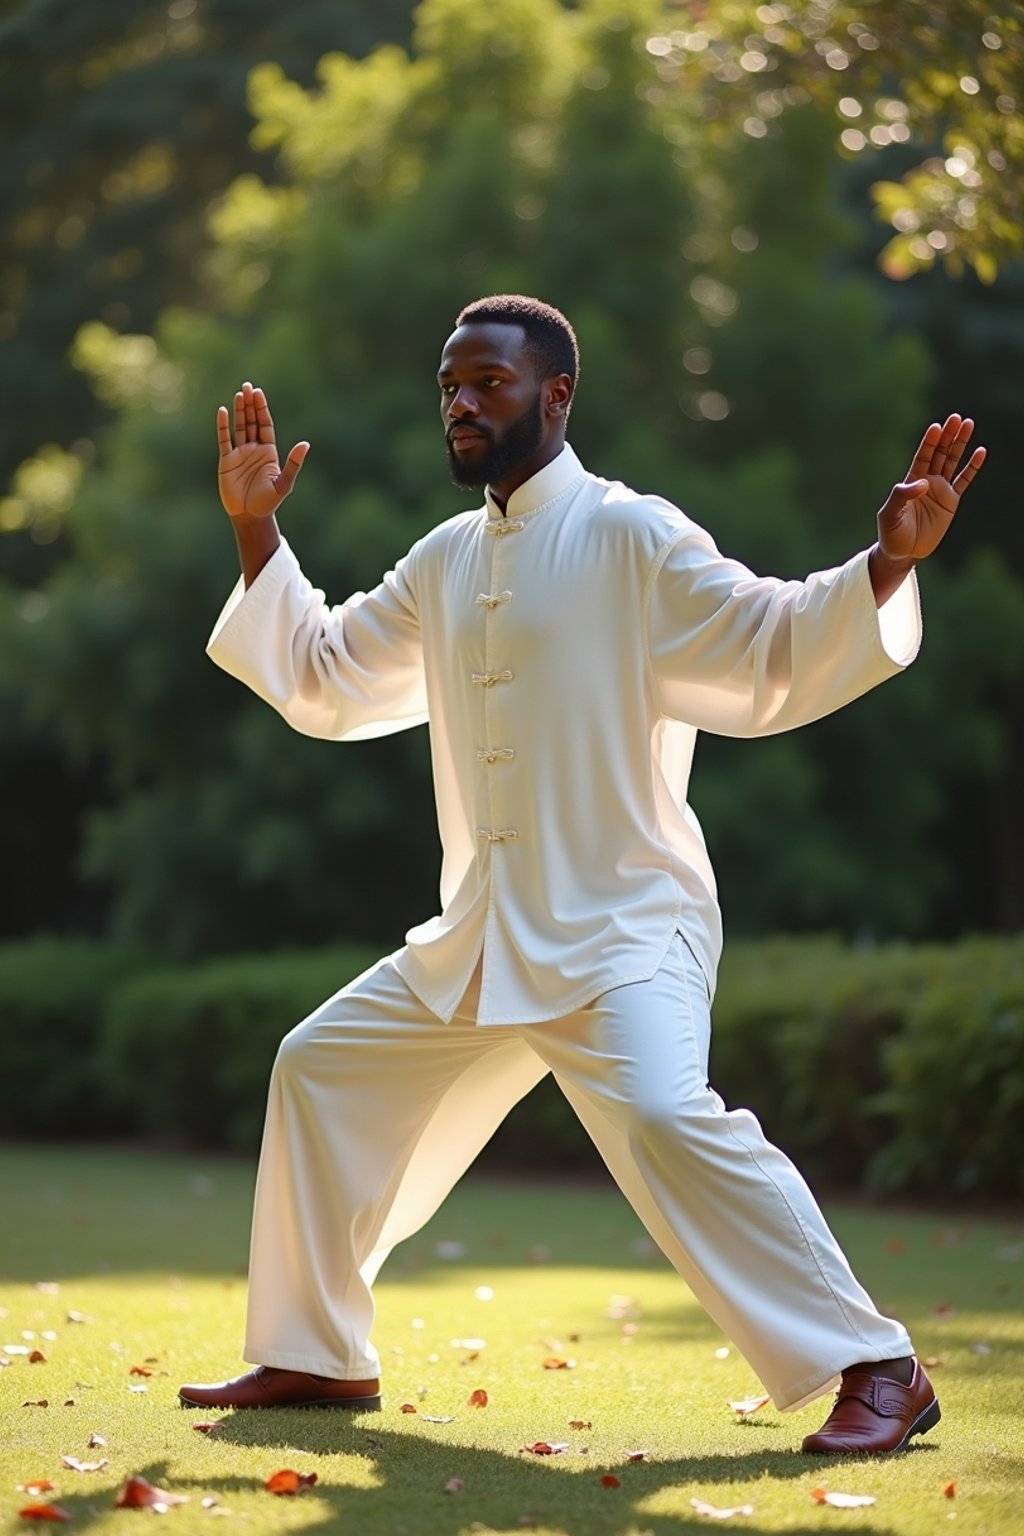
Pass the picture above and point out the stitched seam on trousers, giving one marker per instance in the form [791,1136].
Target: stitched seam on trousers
[700,1073]
[800,1228]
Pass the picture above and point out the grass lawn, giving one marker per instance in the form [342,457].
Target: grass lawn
[148,1253]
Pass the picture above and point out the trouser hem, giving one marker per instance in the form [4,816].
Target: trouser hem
[821,1382]
[312,1365]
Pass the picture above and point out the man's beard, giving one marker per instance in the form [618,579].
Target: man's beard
[519,442]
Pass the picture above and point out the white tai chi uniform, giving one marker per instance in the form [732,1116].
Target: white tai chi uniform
[565,652]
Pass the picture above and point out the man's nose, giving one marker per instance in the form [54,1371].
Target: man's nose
[462,405]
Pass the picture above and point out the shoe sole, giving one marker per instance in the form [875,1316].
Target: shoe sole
[354,1404]
[926,1420]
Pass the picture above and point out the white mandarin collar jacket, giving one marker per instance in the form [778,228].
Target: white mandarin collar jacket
[565,654]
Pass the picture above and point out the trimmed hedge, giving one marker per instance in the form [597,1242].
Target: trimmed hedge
[897,1069]
[53,996]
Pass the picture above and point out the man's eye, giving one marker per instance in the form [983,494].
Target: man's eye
[447,389]
[492,382]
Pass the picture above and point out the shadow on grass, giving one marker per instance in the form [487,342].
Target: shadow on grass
[501,1492]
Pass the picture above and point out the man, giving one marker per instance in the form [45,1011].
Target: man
[565,642]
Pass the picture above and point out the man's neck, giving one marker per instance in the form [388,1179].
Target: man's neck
[503,489]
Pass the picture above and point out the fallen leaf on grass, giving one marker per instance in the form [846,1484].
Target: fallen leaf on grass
[932,1362]
[636,1455]
[477,1399]
[979,1347]
[43,1512]
[206,1425]
[581,1424]
[37,1357]
[4,1361]
[48,1287]
[745,1405]
[15,1349]
[288,1482]
[714,1512]
[943,1309]
[454,1485]
[895,1245]
[141,1388]
[39,1486]
[609,1480]
[95,1441]
[408,1408]
[558,1363]
[137,1493]
[69,1402]
[141,1370]
[949,1492]
[74,1465]
[842,1500]
[36,1402]
[438,1418]
[546,1447]
[75,1317]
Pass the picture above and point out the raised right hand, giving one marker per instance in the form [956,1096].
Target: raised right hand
[250,479]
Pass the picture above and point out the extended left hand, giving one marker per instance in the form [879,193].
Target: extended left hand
[917,515]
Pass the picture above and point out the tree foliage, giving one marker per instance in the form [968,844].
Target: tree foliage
[734,359]
[945,80]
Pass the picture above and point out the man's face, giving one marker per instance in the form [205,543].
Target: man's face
[491,403]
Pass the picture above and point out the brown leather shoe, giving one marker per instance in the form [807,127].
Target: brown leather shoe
[873,1414]
[267,1387]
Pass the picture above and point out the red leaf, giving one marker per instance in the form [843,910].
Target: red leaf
[557,1363]
[37,1357]
[580,1424]
[547,1447]
[140,1370]
[408,1408]
[477,1399]
[39,1486]
[205,1426]
[137,1493]
[636,1455]
[610,1481]
[43,1512]
[949,1491]
[38,1402]
[287,1482]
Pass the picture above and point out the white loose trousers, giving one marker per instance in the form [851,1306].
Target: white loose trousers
[377,1107]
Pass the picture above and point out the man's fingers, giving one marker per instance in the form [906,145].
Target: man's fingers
[920,465]
[264,420]
[249,402]
[223,430]
[954,449]
[239,418]
[969,470]
[292,464]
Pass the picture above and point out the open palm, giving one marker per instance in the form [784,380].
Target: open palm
[919,511]
[250,478]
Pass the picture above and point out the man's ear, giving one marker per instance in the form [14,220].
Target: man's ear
[559,395]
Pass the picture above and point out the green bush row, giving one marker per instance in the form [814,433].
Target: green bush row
[896,1069]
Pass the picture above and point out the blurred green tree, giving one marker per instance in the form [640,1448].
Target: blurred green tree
[729,362]
[946,78]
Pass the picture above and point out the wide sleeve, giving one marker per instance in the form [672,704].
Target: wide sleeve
[345,672]
[746,655]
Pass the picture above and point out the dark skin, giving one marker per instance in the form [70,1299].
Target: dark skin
[487,381]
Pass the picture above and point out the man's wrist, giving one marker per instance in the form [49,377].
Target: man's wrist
[887,572]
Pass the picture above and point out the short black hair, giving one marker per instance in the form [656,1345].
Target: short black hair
[550,339]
